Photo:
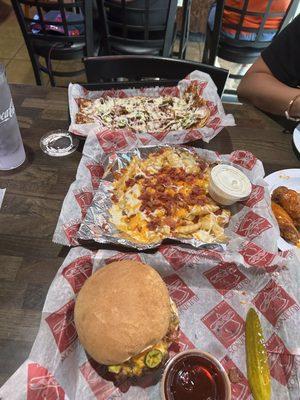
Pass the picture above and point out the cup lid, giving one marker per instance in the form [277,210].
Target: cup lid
[59,143]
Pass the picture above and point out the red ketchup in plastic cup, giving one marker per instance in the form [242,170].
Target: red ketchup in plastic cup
[195,375]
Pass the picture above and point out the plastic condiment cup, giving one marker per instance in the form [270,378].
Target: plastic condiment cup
[228,185]
[183,357]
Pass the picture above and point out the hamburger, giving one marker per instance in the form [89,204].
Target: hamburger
[125,318]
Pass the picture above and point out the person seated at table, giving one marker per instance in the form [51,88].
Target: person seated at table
[273,82]
[250,21]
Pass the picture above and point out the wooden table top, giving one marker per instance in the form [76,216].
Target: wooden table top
[34,196]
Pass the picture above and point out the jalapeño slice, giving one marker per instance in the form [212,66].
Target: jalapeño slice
[153,358]
[115,369]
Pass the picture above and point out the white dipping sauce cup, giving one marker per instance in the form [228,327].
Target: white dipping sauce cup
[228,185]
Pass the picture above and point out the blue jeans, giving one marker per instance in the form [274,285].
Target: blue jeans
[249,36]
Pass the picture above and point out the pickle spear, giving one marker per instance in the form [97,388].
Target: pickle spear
[258,371]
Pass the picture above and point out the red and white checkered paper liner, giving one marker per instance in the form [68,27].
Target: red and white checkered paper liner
[213,293]
[253,225]
[111,138]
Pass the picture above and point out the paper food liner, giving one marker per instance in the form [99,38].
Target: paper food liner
[112,139]
[87,204]
[251,220]
[213,293]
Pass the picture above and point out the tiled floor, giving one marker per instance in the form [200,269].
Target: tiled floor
[13,52]
[14,55]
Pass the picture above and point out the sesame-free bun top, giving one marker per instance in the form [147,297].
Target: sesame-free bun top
[121,310]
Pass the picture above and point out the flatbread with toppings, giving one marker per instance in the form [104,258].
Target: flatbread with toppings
[146,114]
[166,195]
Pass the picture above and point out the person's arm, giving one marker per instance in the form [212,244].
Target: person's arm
[260,87]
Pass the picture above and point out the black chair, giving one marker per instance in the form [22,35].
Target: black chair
[144,71]
[56,46]
[185,29]
[237,50]
[138,27]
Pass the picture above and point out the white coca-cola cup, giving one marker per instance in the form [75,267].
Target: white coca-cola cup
[12,153]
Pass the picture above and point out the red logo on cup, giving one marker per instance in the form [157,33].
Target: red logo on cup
[78,271]
[280,359]
[252,225]
[243,158]
[256,195]
[61,323]
[84,200]
[42,385]
[225,323]
[256,256]
[179,291]
[71,232]
[123,256]
[239,386]
[224,277]
[111,140]
[101,388]
[182,343]
[96,172]
[272,301]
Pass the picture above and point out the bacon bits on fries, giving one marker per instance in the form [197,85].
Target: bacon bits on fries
[166,195]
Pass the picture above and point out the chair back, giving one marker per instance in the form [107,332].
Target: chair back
[241,15]
[64,30]
[145,26]
[235,49]
[145,71]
